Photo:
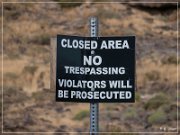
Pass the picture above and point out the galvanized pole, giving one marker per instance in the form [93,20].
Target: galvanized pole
[94,107]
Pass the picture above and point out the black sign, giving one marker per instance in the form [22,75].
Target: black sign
[95,69]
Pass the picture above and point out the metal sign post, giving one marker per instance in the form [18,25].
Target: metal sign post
[94,107]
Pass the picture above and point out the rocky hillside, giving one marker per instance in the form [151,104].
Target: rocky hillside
[29,103]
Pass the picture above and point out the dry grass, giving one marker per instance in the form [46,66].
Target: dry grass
[147,70]
[31,26]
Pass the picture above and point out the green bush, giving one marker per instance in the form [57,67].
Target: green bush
[102,13]
[11,75]
[81,115]
[30,69]
[137,97]
[153,75]
[170,60]
[158,117]
[172,112]
[130,113]
[157,101]
[13,55]
[14,95]
[173,115]
[41,96]
[166,107]
[43,39]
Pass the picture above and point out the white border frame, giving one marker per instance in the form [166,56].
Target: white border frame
[97,132]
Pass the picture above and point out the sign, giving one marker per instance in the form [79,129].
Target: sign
[95,69]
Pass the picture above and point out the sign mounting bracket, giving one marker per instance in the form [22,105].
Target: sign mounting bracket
[94,107]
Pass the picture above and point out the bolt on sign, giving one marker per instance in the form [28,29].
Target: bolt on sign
[95,69]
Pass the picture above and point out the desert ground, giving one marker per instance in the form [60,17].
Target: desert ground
[28,102]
